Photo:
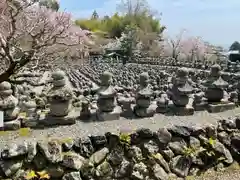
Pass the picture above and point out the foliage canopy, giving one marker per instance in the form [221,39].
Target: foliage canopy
[114,26]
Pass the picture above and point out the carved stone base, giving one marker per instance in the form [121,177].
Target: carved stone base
[12,125]
[108,116]
[11,115]
[182,111]
[50,120]
[162,110]
[30,122]
[145,112]
[200,106]
[127,113]
[215,108]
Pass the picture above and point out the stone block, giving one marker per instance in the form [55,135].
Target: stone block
[215,108]
[145,112]
[200,106]
[182,111]
[108,116]
[50,120]
[162,110]
[12,125]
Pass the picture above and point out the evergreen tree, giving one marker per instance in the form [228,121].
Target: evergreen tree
[94,15]
[235,46]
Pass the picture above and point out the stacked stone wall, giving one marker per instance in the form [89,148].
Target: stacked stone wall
[142,155]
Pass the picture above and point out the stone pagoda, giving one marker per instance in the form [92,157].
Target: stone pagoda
[144,106]
[9,107]
[217,97]
[60,98]
[181,93]
[106,102]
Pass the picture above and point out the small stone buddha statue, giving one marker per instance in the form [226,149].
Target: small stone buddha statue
[106,94]
[144,93]
[215,86]
[8,103]
[60,95]
[29,105]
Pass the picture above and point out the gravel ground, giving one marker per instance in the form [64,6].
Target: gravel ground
[226,175]
[230,173]
[81,128]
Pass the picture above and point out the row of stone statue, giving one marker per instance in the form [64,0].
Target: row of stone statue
[182,97]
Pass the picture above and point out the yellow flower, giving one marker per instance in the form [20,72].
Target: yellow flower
[125,138]
[212,141]
[43,175]
[30,175]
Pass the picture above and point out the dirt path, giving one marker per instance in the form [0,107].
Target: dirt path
[81,129]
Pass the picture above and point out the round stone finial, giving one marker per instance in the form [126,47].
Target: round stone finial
[106,78]
[5,86]
[144,76]
[182,72]
[215,69]
[58,75]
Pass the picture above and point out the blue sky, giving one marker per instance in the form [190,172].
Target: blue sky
[215,21]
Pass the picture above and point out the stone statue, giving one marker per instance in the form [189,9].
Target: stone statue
[181,92]
[29,107]
[144,106]
[216,86]
[9,106]
[162,103]
[215,91]
[106,101]
[106,93]
[60,96]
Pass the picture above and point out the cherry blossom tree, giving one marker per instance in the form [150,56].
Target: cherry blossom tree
[195,49]
[172,47]
[31,33]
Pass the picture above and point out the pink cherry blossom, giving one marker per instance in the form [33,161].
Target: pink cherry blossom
[29,32]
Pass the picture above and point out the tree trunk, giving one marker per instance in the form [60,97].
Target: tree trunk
[10,71]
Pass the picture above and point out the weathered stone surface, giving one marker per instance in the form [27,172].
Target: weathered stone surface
[177,145]
[124,170]
[179,131]
[14,150]
[52,151]
[84,146]
[73,161]
[180,165]
[72,176]
[104,170]
[140,171]
[161,161]
[153,155]
[163,136]
[150,147]
[98,141]
[159,173]
[99,156]
[220,148]
[10,167]
[135,153]
[116,156]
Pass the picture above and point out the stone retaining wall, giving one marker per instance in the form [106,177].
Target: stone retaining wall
[140,155]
